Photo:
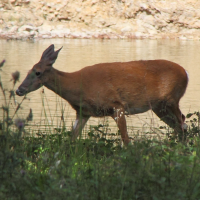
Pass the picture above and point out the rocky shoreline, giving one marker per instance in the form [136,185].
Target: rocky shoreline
[36,19]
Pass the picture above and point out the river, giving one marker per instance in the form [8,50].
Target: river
[78,53]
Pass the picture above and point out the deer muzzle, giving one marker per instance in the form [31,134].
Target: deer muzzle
[20,92]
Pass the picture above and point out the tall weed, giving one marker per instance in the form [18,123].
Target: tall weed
[51,166]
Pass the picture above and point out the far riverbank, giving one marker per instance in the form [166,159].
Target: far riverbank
[25,19]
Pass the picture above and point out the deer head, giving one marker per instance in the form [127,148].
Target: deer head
[37,76]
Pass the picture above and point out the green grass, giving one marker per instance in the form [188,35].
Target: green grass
[51,166]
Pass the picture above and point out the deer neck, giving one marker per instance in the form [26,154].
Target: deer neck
[66,85]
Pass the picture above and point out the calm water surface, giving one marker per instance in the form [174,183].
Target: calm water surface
[78,53]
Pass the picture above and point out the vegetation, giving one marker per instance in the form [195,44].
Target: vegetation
[50,166]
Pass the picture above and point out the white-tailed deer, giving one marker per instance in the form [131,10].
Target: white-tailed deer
[113,89]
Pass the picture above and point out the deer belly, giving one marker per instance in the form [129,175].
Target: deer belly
[135,110]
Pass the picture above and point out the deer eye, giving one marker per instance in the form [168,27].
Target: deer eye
[37,73]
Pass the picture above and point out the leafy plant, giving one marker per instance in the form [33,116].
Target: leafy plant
[51,166]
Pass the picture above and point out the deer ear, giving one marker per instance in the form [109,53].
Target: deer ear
[50,55]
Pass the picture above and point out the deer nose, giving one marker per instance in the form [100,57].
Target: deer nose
[19,93]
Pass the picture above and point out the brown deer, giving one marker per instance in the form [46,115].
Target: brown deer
[114,89]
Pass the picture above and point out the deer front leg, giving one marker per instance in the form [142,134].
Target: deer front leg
[119,118]
[79,125]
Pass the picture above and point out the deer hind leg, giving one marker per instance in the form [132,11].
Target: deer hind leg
[171,115]
[79,125]
[119,118]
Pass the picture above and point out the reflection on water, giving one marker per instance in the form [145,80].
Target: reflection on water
[78,53]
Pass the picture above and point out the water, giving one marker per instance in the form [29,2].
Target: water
[78,53]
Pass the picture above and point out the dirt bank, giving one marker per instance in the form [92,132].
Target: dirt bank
[34,19]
